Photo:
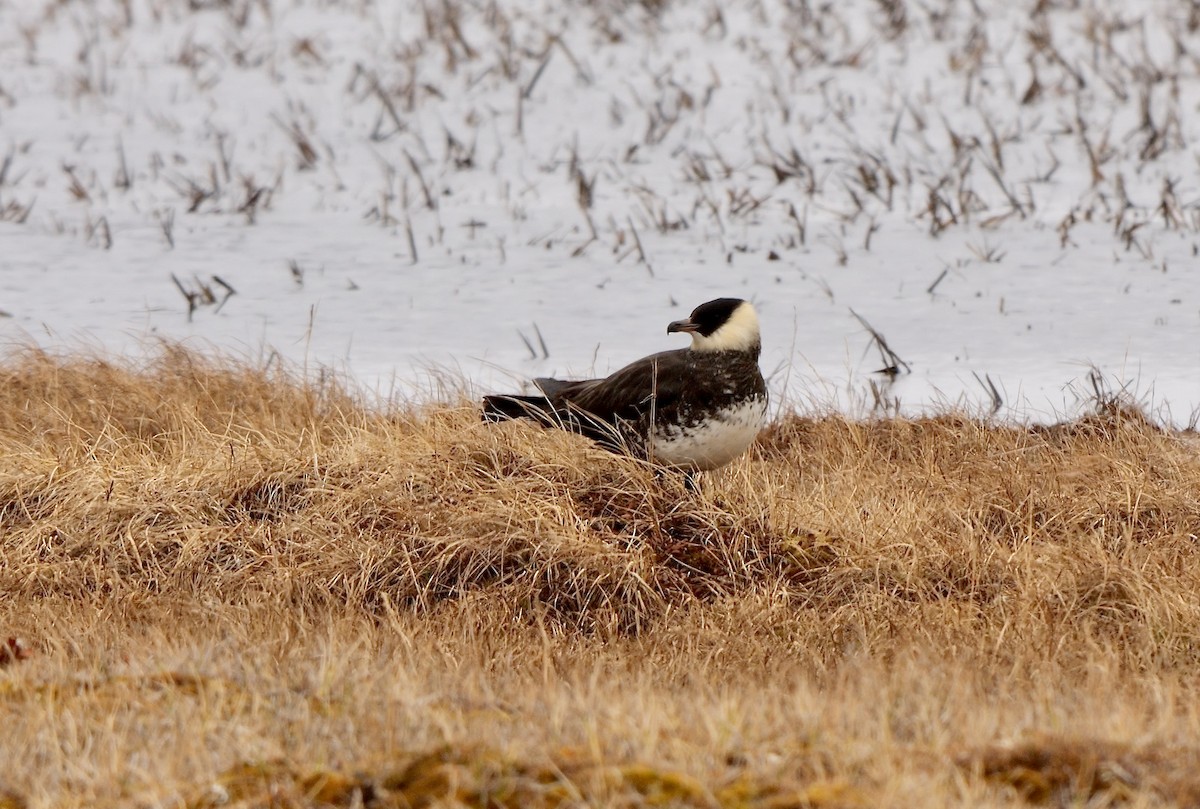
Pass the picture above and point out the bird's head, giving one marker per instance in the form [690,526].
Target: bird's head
[726,324]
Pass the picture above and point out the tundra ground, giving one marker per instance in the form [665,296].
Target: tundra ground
[231,586]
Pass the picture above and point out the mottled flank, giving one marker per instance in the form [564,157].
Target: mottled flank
[712,441]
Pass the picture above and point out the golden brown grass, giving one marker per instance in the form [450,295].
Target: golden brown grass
[241,589]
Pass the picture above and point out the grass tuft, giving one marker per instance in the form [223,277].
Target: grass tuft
[1069,771]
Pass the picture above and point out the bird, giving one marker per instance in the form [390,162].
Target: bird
[695,409]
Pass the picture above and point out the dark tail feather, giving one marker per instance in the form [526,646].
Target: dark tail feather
[561,388]
[539,409]
[501,408]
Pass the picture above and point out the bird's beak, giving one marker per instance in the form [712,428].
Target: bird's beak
[682,325]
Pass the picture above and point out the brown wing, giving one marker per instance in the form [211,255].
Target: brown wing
[630,393]
[551,388]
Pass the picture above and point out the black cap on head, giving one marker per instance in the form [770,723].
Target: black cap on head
[708,317]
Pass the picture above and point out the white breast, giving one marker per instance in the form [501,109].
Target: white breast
[713,442]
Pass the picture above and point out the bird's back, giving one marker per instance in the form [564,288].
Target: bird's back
[628,394]
[665,395]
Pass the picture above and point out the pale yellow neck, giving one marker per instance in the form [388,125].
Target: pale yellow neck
[739,333]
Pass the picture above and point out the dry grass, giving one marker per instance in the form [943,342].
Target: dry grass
[236,588]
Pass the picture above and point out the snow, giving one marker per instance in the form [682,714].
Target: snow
[396,189]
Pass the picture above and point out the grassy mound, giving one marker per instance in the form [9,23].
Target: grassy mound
[232,586]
